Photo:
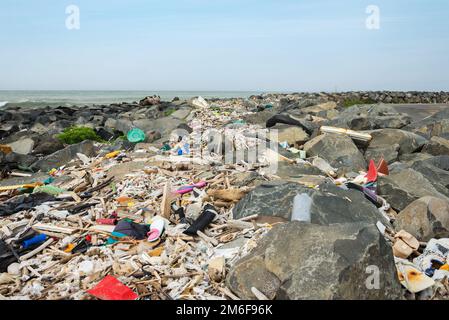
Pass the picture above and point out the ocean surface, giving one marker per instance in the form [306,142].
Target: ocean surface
[80,98]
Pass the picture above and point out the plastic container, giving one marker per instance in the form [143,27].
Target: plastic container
[33,241]
[301,207]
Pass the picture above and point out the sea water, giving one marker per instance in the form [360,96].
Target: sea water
[88,98]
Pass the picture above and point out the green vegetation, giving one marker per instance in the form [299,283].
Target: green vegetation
[74,135]
[355,101]
[169,112]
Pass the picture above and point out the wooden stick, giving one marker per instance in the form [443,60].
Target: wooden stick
[228,292]
[37,250]
[259,295]
[252,217]
[210,240]
[165,204]
[51,228]
[365,137]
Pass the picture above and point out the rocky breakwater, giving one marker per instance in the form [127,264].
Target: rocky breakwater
[334,221]
[347,98]
[32,133]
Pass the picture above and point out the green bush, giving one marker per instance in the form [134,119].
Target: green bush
[352,102]
[74,135]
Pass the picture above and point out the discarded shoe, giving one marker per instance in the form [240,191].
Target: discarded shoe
[156,229]
[208,215]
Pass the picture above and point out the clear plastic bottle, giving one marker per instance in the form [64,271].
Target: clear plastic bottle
[301,207]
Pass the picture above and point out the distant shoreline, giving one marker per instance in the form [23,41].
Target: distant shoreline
[36,99]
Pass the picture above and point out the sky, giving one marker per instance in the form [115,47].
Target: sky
[234,45]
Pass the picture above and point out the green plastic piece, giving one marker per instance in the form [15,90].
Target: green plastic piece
[136,135]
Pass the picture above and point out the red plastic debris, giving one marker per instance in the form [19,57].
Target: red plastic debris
[110,222]
[111,289]
[372,172]
[382,167]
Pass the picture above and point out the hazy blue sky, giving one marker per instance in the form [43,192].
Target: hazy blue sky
[291,45]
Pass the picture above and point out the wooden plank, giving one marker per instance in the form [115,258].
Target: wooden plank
[365,137]
[166,201]
[52,228]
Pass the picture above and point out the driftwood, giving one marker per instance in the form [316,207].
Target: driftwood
[359,136]
[259,295]
[37,250]
[52,228]
[230,194]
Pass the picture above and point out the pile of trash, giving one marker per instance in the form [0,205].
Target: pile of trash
[184,217]
[164,231]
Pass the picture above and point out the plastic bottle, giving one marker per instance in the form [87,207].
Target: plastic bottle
[35,240]
[301,207]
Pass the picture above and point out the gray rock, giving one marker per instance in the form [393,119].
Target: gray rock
[425,218]
[339,150]
[299,261]
[152,136]
[389,153]
[181,113]
[435,125]
[392,143]
[7,129]
[295,136]
[16,161]
[370,117]
[316,110]
[330,203]
[110,123]
[64,156]
[405,186]
[163,125]
[23,146]
[123,125]
[39,128]
[47,145]
[287,170]
[435,170]
[411,158]
[437,146]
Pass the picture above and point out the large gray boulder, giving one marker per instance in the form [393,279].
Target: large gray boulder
[298,260]
[425,218]
[437,146]
[339,150]
[64,156]
[370,117]
[286,170]
[405,186]
[391,143]
[435,125]
[16,161]
[436,170]
[292,134]
[163,125]
[330,204]
[47,144]
[23,146]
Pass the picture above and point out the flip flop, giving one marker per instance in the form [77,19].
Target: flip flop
[156,229]
[187,189]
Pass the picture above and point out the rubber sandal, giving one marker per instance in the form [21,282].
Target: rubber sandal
[156,229]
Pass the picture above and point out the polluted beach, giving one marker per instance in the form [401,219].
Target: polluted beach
[272,196]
